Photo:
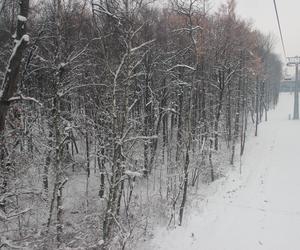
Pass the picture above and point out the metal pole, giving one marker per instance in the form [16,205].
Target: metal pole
[296,95]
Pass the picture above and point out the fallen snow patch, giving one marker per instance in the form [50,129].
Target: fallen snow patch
[22,18]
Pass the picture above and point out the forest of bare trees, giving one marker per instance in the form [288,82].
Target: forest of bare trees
[114,112]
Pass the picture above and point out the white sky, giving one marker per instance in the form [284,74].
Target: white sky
[262,13]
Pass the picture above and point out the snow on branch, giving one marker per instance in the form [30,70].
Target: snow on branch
[188,29]
[133,173]
[182,66]
[20,213]
[142,45]
[4,217]
[132,105]
[18,43]
[171,110]
[7,244]
[24,98]
[22,18]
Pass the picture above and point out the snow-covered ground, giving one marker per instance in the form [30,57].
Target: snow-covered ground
[259,209]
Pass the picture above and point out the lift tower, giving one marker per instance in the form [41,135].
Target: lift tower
[295,61]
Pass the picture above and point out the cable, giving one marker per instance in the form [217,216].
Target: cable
[280,30]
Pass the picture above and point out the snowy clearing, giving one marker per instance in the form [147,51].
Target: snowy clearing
[258,210]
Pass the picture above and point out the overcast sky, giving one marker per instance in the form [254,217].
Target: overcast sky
[262,13]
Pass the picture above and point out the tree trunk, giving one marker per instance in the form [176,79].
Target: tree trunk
[257,106]
[9,85]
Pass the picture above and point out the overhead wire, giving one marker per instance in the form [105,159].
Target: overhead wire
[280,30]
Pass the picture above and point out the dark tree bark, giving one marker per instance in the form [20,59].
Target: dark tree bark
[9,85]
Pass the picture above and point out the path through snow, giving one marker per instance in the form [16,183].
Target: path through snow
[261,208]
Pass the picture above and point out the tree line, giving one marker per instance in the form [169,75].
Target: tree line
[113,111]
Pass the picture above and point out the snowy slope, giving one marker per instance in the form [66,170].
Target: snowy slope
[258,210]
